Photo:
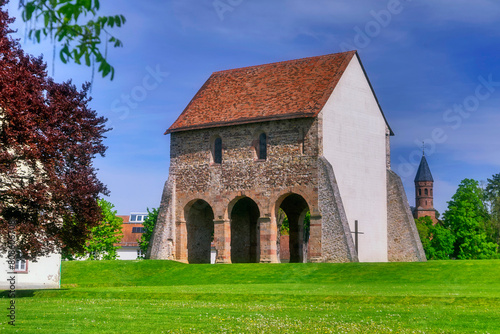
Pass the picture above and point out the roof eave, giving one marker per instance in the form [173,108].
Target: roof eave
[241,121]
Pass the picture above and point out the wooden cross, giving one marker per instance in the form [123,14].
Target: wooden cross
[356,232]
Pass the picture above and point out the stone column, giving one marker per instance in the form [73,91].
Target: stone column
[268,233]
[222,240]
[181,249]
[315,239]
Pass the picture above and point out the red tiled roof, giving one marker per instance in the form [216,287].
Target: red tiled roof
[124,218]
[289,89]
[129,238]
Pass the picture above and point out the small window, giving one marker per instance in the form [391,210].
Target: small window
[140,254]
[419,192]
[21,265]
[426,192]
[217,154]
[431,192]
[137,218]
[262,146]
[137,229]
[302,141]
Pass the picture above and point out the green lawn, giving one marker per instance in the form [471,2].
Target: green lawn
[163,296]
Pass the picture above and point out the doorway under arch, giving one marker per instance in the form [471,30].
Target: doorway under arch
[200,230]
[296,209]
[244,231]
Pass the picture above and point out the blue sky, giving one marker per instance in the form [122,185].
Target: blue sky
[434,66]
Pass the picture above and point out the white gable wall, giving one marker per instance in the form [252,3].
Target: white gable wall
[354,144]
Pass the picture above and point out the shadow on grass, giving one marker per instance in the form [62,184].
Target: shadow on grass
[27,293]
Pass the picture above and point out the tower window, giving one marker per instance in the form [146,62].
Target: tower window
[302,140]
[419,192]
[426,192]
[262,147]
[217,153]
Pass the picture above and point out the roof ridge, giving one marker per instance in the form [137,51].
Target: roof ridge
[283,61]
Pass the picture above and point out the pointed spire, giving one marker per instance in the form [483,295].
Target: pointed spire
[424,172]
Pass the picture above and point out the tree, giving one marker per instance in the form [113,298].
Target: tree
[492,196]
[48,139]
[466,217]
[83,35]
[149,225]
[104,236]
[437,240]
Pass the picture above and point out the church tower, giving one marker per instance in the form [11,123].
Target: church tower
[424,196]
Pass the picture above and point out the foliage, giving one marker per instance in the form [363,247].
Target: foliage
[149,226]
[67,22]
[282,221]
[285,225]
[48,138]
[492,197]
[104,236]
[436,239]
[307,226]
[466,217]
[101,296]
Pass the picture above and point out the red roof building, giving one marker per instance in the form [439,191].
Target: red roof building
[305,136]
[132,230]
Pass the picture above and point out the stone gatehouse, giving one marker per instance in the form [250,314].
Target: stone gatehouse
[305,135]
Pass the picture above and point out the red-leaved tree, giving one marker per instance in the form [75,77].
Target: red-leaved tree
[48,139]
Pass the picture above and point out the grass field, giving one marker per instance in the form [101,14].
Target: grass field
[168,297]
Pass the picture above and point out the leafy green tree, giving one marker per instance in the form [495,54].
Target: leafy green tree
[492,197]
[149,225]
[103,237]
[83,36]
[437,240]
[466,217]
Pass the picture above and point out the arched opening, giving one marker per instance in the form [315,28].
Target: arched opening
[262,147]
[296,209]
[200,231]
[419,192]
[217,151]
[426,192]
[244,231]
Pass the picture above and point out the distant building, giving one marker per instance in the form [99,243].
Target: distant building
[132,229]
[424,194]
[43,274]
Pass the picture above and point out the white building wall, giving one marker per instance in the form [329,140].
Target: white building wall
[127,253]
[354,143]
[43,274]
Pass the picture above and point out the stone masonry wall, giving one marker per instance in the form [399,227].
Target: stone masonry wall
[337,242]
[404,243]
[290,165]
[162,241]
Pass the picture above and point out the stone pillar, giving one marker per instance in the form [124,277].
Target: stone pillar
[315,239]
[268,234]
[222,240]
[181,249]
